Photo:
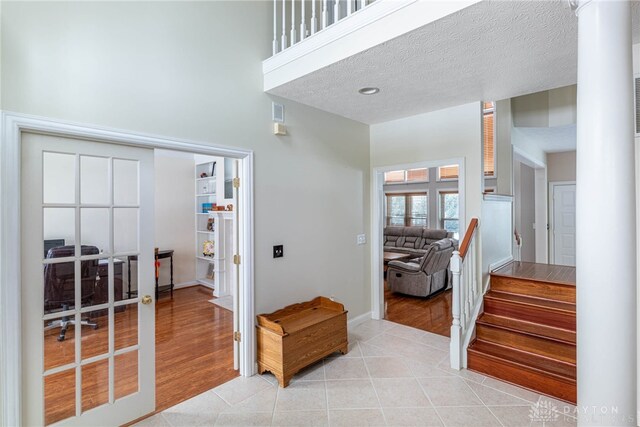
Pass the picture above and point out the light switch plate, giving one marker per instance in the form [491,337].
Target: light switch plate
[361,239]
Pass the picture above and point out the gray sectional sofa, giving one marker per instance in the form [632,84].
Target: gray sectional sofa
[428,272]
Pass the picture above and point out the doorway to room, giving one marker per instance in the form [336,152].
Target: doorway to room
[419,211]
[90,206]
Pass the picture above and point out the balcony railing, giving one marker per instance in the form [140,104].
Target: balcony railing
[295,20]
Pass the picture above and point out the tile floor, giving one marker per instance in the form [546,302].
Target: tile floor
[393,375]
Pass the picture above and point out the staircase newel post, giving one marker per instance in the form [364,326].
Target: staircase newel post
[456,327]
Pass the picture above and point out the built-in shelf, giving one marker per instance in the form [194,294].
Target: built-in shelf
[206,232]
[205,195]
[207,282]
[206,178]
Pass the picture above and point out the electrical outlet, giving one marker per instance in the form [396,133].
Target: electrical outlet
[361,239]
[278,251]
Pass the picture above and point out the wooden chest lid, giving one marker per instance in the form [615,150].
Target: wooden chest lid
[296,317]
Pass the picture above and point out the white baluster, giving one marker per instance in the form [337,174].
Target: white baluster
[292,36]
[303,23]
[275,27]
[474,276]
[336,11]
[349,7]
[325,14]
[314,20]
[283,39]
[455,352]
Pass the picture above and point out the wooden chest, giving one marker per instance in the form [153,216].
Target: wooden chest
[298,335]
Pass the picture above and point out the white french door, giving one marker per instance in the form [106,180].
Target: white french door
[564,224]
[88,344]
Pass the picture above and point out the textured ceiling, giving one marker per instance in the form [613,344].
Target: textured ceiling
[489,51]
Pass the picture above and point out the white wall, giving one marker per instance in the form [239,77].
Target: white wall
[504,149]
[439,135]
[175,207]
[525,195]
[561,166]
[192,70]
[549,108]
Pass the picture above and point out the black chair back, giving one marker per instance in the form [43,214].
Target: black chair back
[59,283]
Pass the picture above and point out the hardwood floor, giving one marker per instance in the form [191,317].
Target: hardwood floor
[194,353]
[429,314]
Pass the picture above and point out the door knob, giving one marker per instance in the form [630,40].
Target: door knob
[147,299]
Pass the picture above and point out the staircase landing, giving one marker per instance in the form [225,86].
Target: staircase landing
[527,332]
[538,272]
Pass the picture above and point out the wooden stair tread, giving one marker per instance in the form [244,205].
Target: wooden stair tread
[527,361]
[532,301]
[530,328]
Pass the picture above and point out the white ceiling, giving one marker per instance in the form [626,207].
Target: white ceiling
[489,51]
[550,140]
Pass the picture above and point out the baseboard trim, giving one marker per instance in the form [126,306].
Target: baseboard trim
[188,284]
[352,323]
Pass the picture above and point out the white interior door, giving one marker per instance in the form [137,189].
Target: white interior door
[564,224]
[85,207]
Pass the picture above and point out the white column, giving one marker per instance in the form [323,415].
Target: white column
[283,38]
[605,266]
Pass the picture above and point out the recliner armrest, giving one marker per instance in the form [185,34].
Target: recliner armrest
[410,267]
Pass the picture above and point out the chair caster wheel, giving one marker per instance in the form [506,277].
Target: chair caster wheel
[61,338]
[94,327]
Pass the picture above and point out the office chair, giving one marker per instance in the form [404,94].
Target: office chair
[59,285]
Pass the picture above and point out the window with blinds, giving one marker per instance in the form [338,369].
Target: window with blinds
[488,138]
[407,176]
[448,172]
[407,209]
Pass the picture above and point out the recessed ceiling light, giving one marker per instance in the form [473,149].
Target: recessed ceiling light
[369,90]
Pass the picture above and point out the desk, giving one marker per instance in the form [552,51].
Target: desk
[102,289]
[167,253]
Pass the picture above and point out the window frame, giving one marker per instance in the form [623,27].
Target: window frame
[485,111]
[407,207]
[441,218]
[406,181]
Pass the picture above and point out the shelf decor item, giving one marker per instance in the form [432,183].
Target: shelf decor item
[206,207]
[210,271]
[207,248]
[210,222]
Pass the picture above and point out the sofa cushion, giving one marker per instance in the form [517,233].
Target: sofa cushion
[393,237]
[412,237]
[430,236]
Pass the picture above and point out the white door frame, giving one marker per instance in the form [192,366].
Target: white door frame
[11,127]
[552,241]
[378,222]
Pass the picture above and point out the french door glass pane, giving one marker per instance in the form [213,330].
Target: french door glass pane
[95,384]
[59,287]
[59,396]
[94,180]
[59,224]
[125,182]
[126,374]
[94,228]
[58,353]
[126,326]
[95,339]
[125,230]
[58,178]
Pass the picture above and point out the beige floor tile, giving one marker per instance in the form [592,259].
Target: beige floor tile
[437,341]
[513,390]
[301,419]
[369,350]
[156,420]
[345,368]
[426,370]
[412,417]
[405,332]
[241,388]
[262,401]
[313,372]
[560,406]
[491,396]
[513,416]
[268,376]
[201,410]
[247,419]
[445,365]
[356,417]
[387,367]
[409,349]
[348,394]
[459,416]
[451,391]
[400,392]
[302,396]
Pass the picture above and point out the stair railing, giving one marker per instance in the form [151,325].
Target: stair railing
[466,294]
[301,24]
